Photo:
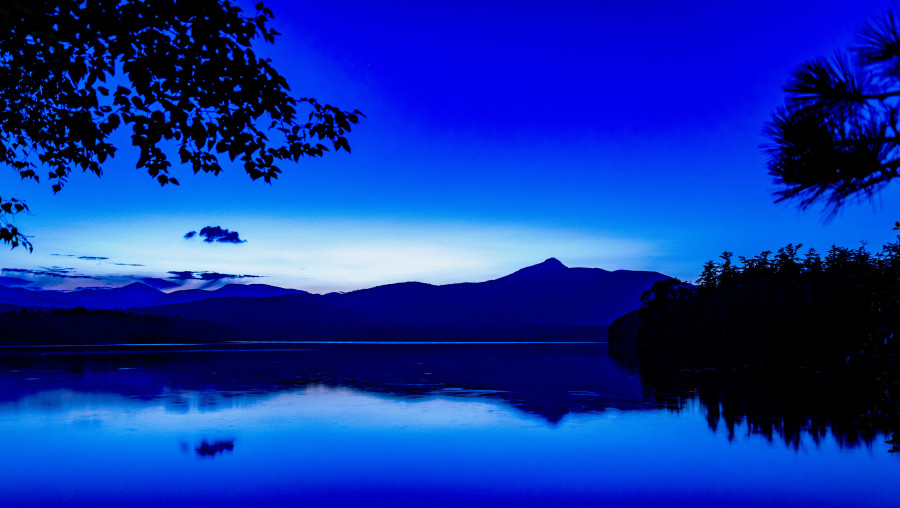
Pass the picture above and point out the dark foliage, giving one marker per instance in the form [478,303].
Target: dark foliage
[837,137]
[784,311]
[797,309]
[8,231]
[182,77]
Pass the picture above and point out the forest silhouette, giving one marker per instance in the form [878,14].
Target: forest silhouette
[787,316]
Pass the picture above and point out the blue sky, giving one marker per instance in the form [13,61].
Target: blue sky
[613,136]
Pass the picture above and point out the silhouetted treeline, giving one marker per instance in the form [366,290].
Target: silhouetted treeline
[783,308]
[82,326]
[836,314]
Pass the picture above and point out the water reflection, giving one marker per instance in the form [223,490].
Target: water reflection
[780,404]
[211,449]
[549,380]
[439,425]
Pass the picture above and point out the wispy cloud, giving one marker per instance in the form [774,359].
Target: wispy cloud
[208,276]
[211,276]
[56,272]
[56,276]
[211,234]
[94,258]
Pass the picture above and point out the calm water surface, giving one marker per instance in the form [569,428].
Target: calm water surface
[396,425]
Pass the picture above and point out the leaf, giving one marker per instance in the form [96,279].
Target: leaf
[180,76]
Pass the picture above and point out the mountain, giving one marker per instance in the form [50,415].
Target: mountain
[13,282]
[226,291]
[132,295]
[548,294]
[36,297]
[546,301]
[547,268]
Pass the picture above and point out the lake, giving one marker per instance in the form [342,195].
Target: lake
[408,425]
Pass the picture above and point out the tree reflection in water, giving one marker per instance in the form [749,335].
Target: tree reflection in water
[777,403]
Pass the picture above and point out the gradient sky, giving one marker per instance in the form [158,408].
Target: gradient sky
[498,134]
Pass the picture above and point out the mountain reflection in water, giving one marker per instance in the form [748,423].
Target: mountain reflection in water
[547,380]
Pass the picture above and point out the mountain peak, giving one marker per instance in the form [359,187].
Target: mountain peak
[551,263]
[548,266]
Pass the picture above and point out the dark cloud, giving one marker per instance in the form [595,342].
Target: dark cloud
[182,275]
[216,234]
[219,276]
[64,255]
[208,276]
[128,264]
[93,258]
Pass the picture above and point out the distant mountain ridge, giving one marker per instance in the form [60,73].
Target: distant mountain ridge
[543,300]
[133,295]
[226,291]
[547,293]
